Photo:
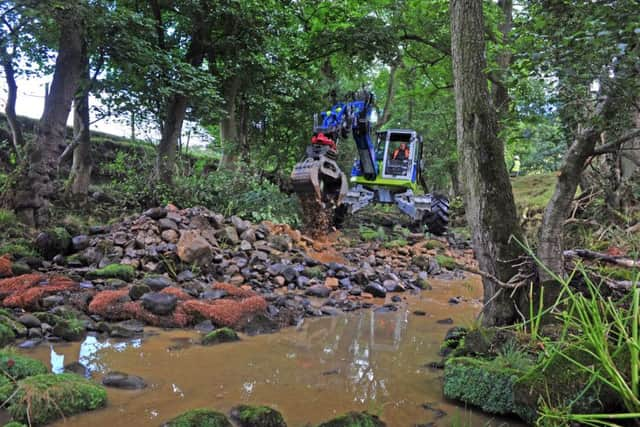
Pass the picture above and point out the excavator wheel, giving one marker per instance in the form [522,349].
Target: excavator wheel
[437,220]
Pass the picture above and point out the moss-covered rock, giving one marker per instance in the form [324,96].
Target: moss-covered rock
[219,336]
[317,272]
[14,424]
[114,271]
[563,385]
[48,397]
[354,419]
[6,388]
[18,328]
[199,418]
[52,242]
[257,416]
[446,262]
[69,329]
[486,341]
[481,383]
[6,335]
[20,367]
[48,318]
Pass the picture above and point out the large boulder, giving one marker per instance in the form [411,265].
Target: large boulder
[123,381]
[257,416]
[219,336]
[199,418]
[55,241]
[71,393]
[193,248]
[355,419]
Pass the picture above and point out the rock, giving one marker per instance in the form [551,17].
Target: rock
[204,327]
[98,229]
[155,213]
[157,303]
[240,225]
[454,300]
[167,224]
[258,324]
[228,235]
[199,418]
[257,416]
[123,381]
[245,245]
[34,333]
[71,393]
[185,276]
[69,330]
[127,329]
[481,383]
[290,273]
[29,320]
[393,286]
[221,335]
[331,283]
[52,301]
[355,291]
[80,243]
[320,291]
[138,290]
[249,235]
[447,321]
[214,294]
[376,289]
[76,368]
[193,248]
[53,242]
[419,313]
[396,298]
[355,419]
[30,343]
[170,236]
[19,268]
[157,283]
[281,242]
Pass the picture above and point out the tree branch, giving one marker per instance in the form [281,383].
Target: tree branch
[614,146]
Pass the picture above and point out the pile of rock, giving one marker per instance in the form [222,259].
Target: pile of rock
[175,268]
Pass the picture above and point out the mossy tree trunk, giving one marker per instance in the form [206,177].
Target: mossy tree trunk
[35,187]
[490,207]
[80,175]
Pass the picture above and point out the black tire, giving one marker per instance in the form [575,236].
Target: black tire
[437,220]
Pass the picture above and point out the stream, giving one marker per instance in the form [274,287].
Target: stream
[367,360]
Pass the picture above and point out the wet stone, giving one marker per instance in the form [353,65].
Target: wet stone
[138,290]
[29,320]
[157,303]
[447,321]
[214,294]
[320,291]
[127,329]
[376,289]
[30,343]
[123,381]
[157,283]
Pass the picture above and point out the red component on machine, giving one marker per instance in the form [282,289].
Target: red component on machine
[323,140]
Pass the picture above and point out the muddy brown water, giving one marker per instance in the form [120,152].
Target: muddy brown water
[362,361]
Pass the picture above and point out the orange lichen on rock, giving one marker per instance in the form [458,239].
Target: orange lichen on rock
[30,297]
[177,292]
[234,291]
[5,266]
[225,312]
[19,283]
[110,304]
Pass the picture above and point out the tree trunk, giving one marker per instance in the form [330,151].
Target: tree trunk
[550,245]
[229,124]
[35,188]
[80,175]
[177,110]
[490,208]
[499,88]
[391,93]
[10,108]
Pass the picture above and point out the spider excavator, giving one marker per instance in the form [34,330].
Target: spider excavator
[386,171]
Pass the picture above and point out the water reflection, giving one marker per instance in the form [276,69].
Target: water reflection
[89,354]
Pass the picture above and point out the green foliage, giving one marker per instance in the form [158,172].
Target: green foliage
[446,262]
[199,418]
[257,416]
[395,243]
[221,335]
[368,233]
[114,271]
[43,398]
[6,335]
[7,219]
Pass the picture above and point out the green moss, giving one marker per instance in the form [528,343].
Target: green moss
[354,419]
[20,366]
[48,318]
[481,383]
[199,418]
[257,416]
[420,261]
[18,328]
[618,273]
[434,244]
[7,218]
[14,424]
[446,262]
[562,385]
[19,248]
[6,335]
[6,388]
[316,271]
[368,234]
[396,243]
[115,271]
[69,329]
[219,336]
[48,397]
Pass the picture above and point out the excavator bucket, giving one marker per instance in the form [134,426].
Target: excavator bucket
[321,186]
